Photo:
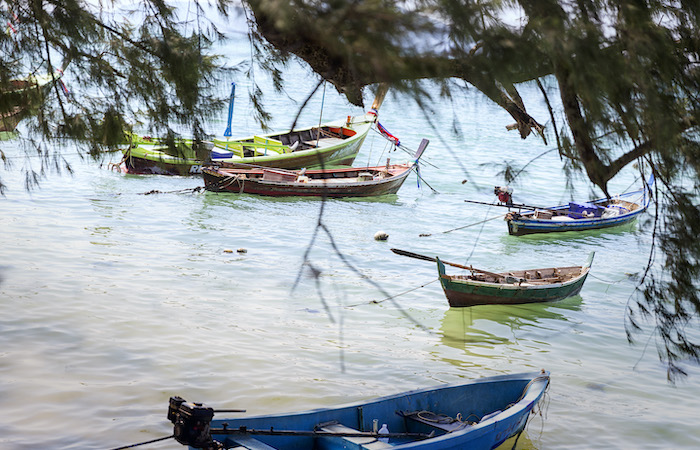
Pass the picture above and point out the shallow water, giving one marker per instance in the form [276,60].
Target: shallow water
[113,301]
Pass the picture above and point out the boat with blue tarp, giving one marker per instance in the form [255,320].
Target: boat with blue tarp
[580,216]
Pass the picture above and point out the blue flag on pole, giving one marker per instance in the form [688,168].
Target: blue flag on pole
[227,133]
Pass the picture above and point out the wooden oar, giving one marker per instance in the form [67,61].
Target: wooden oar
[244,431]
[505,205]
[530,207]
[237,165]
[430,258]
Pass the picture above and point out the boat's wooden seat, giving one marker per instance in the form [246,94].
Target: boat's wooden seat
[354,443]
[327,141]
[246,441]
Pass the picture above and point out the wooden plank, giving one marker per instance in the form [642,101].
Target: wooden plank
[250,442]
[359,443]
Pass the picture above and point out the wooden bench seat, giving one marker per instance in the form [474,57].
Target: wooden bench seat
[354,443]
[249,442]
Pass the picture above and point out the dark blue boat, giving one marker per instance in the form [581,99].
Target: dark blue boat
[478,415]
[600,213]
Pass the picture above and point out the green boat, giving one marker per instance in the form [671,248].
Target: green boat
[332,143]
[514,287]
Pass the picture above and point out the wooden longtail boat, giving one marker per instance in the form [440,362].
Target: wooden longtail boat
[333,143]
[515,287]
[344,182]
[21,96]
[477,415]
[600,213]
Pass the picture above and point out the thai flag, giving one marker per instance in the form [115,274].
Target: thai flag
[388,135]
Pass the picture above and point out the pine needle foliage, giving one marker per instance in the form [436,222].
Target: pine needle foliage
[143,63]
[623,88]
[620,79]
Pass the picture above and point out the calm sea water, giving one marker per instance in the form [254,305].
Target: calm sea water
[112,301]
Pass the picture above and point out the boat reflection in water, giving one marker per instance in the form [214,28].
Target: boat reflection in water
[479,328]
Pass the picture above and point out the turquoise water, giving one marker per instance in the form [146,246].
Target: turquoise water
[113,301]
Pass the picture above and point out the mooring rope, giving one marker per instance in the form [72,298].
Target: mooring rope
[607,281]
[409,151]
[423,180]
[179,191]
[478,236]
[228,181]
[373,302]
[144,443]
[465,226]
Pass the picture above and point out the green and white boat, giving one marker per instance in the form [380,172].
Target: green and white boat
[514,287]
[332,143]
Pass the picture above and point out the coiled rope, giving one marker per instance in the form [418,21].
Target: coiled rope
[430,416]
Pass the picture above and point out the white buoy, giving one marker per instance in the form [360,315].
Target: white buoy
[380,236]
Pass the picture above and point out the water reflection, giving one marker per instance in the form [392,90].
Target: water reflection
[570,237]
[483,326]
[108,207]
[522,441]
[392,199]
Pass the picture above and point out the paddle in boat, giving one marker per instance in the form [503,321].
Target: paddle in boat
[342,182]
[477,415]
[579,216]
[331,143]
[482,287]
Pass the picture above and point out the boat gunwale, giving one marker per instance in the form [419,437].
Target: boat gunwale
[525,285]
[526,220]
[358,189]
[338,123]
[329,183]
[137,150]
[526,401]
[359,135]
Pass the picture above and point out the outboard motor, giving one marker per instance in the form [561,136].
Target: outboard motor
[504,194]
[191,422]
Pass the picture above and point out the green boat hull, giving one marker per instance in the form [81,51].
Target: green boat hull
[464,291]
[337,143]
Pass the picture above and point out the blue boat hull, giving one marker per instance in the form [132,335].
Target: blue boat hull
[522,226]
[529,223]
[499,407]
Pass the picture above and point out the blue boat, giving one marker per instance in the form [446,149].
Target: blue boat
[478,415]
[581,216]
